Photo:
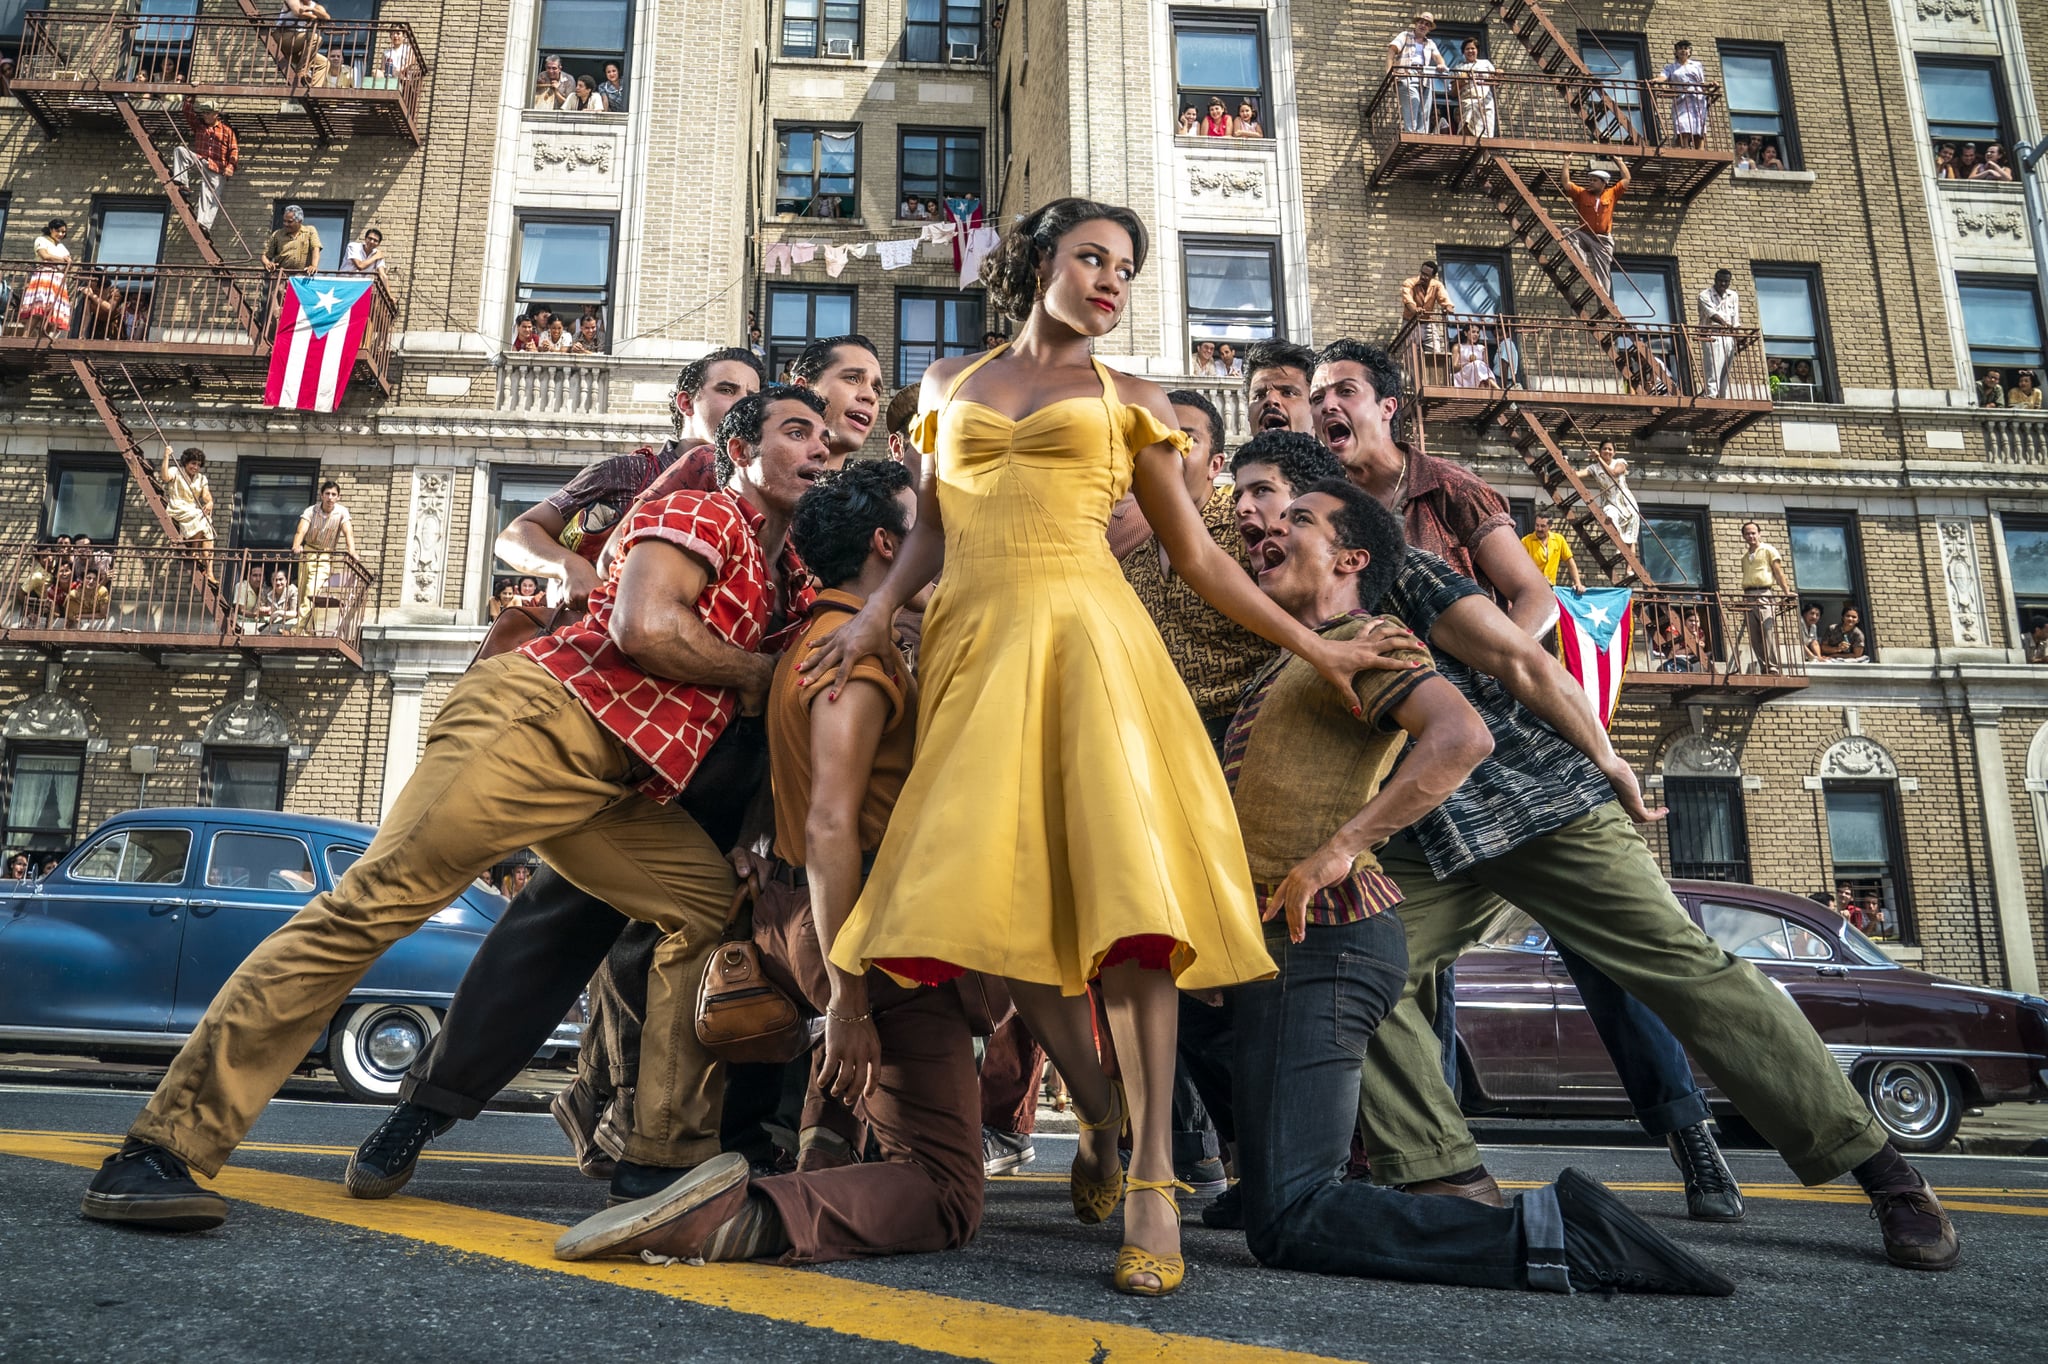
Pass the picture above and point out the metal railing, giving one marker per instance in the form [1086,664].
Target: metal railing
[132,597]
[572,384]
[159,54]
[1629,116]
[1679,637]
[1561,356]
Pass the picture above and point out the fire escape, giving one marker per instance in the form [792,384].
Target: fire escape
[209,321]
[1554,384]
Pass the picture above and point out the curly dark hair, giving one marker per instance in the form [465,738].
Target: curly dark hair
[1011,274]
[1278,353]
[1380,370]
[697,373]
[1188,397]
[1300,458]
[814,359]
[748,419]
[1363,522]
[841,512]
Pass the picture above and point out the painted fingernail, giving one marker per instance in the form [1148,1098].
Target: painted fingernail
[1358,712]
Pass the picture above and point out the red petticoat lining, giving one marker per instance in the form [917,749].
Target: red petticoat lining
[1152,951]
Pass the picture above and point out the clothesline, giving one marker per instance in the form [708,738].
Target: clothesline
[971,238]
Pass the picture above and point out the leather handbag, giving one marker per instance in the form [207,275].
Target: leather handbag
[517,625]
[741,1014]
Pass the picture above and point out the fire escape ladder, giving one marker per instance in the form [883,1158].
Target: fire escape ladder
[1556,57]
[1576,502]
[183,204]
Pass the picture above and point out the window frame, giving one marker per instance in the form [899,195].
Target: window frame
[1190,245]
[209,784]
[1728,790]
[1896,866]
[780,348]
[525,218]
[282,468]
[1829,387]
[2018,284]
[499,475]
[1502,262]
[1225,21]
[19,749]
[6,201]
[940,348]
[2026,606]
[571,55]
[1859,585]
[127,833]
[980,189]
[1638,44]
[946,23]
[62,461]
[213,851]
[326,208]
[102,204]
[775,175]
[1789,149]
[822,22]
[1994,67]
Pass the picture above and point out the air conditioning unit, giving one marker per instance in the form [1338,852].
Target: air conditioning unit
[963,52]
[839,47]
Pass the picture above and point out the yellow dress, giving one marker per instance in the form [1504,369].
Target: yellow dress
[1064,797]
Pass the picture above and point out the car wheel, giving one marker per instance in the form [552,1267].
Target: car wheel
[371,1046]
[1915,1103]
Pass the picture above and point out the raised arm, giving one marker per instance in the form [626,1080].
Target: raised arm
[1532,605]
[532,544]
[655,621]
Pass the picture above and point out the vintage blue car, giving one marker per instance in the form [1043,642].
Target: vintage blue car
[118,950]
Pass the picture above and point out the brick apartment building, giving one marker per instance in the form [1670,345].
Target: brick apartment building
[768,152]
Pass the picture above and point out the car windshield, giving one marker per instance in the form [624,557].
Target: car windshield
[1863,949]
[146,856]
[1515,931]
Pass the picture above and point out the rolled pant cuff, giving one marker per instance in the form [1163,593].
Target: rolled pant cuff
[1543,1241]
[179,1144]
[1676,1116]
[1397,1169]
[670,1155]
[427,1094]
[1833,1164]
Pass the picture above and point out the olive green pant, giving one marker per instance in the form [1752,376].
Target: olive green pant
[1596,888]
[512,760]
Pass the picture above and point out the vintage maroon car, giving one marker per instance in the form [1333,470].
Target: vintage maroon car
[1920,1048]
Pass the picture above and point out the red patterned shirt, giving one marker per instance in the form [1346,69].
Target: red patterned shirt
[671,725]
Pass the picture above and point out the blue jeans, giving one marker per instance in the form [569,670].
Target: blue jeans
[1650,1061]
[1301,1039]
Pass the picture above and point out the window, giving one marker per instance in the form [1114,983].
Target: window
[85,497]
[329,220]
[1673,549]
[268,499]
[2002,317]
[1864,833]
[161,50]
[797,317]
[145,857]
[1709,839]
[1233,289]
[1964,101]
[585,34]
[352,39]
[1788,311]
[2026,567]
[1761,936]
[12,12]
[1625,57]
[1645,288]
[128,232]
[1759,102]
[930,326]
[340,859]
[816,170]
[565,265]
[42,796]
[938,165]
[1481,283]
[804,36]
[514,492]
[942,31]
[1827,569]
[1219,56]
[244,779]
[1449,41]
[241,861]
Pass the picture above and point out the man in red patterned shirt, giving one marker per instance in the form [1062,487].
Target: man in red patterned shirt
[576,746]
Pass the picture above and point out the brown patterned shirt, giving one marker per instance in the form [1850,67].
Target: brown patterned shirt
[1213,654]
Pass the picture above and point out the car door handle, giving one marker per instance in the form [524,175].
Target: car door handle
[201,908]
[1834,971]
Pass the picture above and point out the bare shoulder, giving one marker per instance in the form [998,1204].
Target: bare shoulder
[1133,391]
[941,373]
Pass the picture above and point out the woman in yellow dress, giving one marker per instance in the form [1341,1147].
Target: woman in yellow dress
[1066,819]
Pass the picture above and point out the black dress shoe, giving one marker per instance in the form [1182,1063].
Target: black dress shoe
[1607,1247]
[386,1159]
[632,1180]
[146,1186]
[1227,1212]
[1917,1232]
[1711,1193]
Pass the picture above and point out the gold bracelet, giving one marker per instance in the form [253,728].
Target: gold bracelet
[842,1018]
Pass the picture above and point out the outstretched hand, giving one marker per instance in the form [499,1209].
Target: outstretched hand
[1378,646]
[868,634]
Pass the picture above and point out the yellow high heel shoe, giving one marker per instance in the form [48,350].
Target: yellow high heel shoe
[1131,1261]
[1096,1199]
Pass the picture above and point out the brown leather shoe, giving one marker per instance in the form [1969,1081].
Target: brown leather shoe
[1917,1232]
[675,1221]
[1481,1190]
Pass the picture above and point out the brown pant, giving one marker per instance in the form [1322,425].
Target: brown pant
[1012,1069]
[512,760]
[925,1192]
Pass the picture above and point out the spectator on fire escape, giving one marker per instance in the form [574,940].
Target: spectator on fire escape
[1763,575]
[1720,315]
[1689,106]
[46,298]
[366,255]
[298,40]
[1609,475]
[1593,238]
[190,502]
[1412,53]
[1474,87]
[295,247]
[1469,367]
[1424,299]
[212,155]
[86,603]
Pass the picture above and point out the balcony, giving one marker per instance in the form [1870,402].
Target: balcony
[1418,133]
[73,64]
[1621,379]
[1692,645]
[154,600]
[171,322]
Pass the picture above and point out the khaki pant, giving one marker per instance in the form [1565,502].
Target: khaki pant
[513,760]
[1597,890]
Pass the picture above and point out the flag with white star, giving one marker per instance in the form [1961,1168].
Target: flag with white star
[320,324]
[1592,643]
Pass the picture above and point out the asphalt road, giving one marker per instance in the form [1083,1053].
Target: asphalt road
[458,1270]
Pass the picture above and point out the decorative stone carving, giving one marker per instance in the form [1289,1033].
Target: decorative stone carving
[1965,589]
[567,156]
[1697,755]
[1951,11]
[1990,223]
[48,715]
[248,722]
[1858,759]
[426,547]
[1228,183]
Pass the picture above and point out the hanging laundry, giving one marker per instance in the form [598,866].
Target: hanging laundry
[980,243]
[896,255]
[937,233]
[859,249]
[775,260]
[803,253]
[835,260]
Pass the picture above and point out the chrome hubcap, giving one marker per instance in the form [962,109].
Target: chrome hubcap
[1908,1099]
[393,1043]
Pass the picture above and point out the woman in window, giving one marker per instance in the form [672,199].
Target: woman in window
[190,501]
[1993,166]
[557,341]
[586,100]
[1248,124]
[46,299]
[2025,392]
[1745,153]
[1771,161]
[1945,161]
[1473,86]
[610,88]
[1218,122]
[1190,123]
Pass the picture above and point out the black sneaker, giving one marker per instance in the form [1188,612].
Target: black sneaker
[1227,1212]
[1917,1232]
[146,1186]
[1205,1177]
[1608,1247]
[1711,1193]
[1003,1152]
[385,1161]
[632,1180]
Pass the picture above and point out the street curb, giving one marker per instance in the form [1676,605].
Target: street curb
[1996,1144]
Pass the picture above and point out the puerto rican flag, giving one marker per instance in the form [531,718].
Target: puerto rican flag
[320,324]
[1592,643]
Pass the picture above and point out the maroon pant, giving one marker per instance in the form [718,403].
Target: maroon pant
[1012,1068]
[925,1192]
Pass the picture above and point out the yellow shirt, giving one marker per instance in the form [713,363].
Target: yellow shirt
[1550,552]
[1756,566]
